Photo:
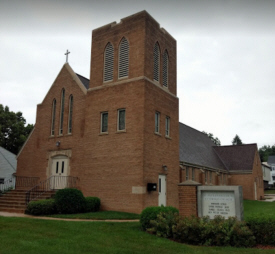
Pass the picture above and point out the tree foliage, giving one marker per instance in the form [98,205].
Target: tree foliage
[236,140]
[216,141]
[266,151]
[13,130]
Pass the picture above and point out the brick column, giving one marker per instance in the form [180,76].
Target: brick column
[188,204]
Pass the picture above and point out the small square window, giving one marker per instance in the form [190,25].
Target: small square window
[167,126]
[121,120]
[2,180]
[157,119]
[104,122]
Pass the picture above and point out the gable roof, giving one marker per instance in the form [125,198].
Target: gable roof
[271,159]
[237,157]
[196,147]
[8,163]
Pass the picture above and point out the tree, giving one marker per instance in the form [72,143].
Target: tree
[266,151]
[236,140]
[13,130]
[216,141]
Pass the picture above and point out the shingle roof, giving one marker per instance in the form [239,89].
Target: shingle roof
[237,157]
[84,81]
[8,163]
[271,159]
[197,148]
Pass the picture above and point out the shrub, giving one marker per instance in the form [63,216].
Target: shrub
[41,207]
[241,235]
[203,231]
[70,201]
[151,213]
[163,224]
[188,230]
[263,229]
[92,204]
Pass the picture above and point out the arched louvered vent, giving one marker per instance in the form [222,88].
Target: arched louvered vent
[123,65]
[165,69]
[108,62]
[156,62]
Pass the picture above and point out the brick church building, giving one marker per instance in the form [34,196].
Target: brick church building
[117,135]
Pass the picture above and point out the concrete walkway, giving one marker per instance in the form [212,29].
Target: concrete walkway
[22,215]
[269,198]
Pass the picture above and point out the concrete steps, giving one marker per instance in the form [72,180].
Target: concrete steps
[15,200]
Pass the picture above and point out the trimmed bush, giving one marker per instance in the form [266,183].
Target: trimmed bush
[151,213]
[41,207]
[163,224]
[203,231]
[263,229]
[70,201]
[92,204]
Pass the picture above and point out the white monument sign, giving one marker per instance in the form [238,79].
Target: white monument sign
[225,201]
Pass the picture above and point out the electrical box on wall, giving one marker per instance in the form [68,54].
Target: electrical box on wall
[151,186]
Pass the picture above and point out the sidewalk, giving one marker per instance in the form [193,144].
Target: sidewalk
[269,198]
[22,215]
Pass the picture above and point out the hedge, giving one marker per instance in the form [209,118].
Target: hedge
[41,207]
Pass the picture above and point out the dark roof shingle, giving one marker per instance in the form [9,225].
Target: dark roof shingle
[237,157]
[197,148]
[84,81]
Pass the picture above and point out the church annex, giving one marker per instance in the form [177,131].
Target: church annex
[117,135]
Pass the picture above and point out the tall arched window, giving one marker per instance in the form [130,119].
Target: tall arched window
[53,117]
[165,69]
[156,62]
[62,111]
[108,62]
[70,114]
[123,61]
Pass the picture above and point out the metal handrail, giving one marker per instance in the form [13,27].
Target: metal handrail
[26,181]
[51,184]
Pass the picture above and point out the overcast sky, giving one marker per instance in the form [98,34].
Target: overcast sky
[225,57]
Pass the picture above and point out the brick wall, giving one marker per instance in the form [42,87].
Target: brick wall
[188,204]
[250,180]
[115,166]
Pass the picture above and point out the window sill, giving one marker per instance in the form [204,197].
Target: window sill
[158,134]
[120,131]
[168,137]
[103,133]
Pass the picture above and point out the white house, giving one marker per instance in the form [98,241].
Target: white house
[8,165]
[266,174]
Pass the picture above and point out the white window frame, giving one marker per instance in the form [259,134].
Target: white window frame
[187,173]
[167,126]
[119,111]
[157,122]
[101,125]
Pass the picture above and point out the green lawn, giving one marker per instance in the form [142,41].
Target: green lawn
[35,236]
[104,215]
[269,192]
[259,208]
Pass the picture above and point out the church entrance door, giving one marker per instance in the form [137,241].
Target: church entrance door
[162,190]
[59,172]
